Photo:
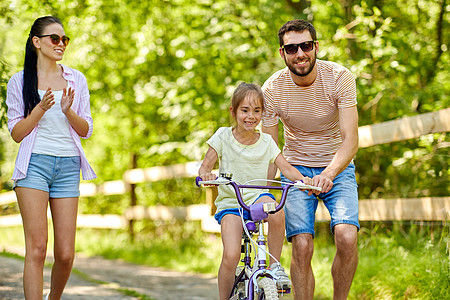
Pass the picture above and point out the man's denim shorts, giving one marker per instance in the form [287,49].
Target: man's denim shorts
[341,202]
[235,211]
[59,176]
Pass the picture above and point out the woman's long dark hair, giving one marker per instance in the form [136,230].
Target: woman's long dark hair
[30,80]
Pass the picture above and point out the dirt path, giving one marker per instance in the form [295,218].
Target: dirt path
[97,278]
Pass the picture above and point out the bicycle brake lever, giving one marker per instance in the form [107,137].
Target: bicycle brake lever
[301,185]
[269,207]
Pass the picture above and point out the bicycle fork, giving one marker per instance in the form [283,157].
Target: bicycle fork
[259,268]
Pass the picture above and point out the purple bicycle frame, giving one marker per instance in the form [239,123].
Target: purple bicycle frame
[236,188]
[284,190]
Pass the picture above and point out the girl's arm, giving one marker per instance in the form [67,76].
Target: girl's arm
[208,164]
[289,171]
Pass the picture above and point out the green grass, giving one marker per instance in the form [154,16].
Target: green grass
[403,262]
[396,261]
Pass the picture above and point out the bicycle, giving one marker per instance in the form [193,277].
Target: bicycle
[256,281]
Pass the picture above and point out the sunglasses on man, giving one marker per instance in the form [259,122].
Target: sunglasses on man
[293,48]
[56,38]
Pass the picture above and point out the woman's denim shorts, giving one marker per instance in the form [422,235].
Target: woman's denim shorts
[341,202]
[59,176]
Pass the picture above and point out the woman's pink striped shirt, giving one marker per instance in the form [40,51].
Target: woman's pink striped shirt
[81,106]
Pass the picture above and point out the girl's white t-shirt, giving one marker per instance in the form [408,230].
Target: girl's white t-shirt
[245,162]
[53,135]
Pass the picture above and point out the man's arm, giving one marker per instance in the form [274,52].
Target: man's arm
[273,131]
[348,123]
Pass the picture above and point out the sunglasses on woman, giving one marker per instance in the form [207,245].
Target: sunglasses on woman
[293,48]
[56,38]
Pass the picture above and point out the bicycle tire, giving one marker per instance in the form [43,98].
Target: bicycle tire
[269,289]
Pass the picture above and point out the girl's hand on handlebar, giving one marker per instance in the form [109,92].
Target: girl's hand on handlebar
[207,177]
[306,181]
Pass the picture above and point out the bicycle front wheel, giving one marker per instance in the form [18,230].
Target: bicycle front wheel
[269,289]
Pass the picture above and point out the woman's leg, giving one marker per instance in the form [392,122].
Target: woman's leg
[64,215]
[275,234]
[33,208]
[231,231]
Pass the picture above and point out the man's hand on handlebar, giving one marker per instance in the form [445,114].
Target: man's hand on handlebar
[306,184]
[323,181]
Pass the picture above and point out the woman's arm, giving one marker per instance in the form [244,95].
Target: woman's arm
[79,124]
[23,128]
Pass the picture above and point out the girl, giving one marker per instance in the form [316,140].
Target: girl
[246,153]
[48,112]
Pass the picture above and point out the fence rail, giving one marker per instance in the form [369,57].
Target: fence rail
[426,209]
[413,209]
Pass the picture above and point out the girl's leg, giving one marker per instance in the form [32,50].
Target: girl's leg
[33,208]
[231,231]
[275,234]
[64,215]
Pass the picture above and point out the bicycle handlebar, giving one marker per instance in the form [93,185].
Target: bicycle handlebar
[226,181]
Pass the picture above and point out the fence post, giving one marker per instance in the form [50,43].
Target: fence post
[211,195]
[133,197]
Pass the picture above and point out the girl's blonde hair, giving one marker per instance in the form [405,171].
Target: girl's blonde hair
[241,92]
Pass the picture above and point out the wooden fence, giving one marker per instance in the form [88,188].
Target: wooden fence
[424,209]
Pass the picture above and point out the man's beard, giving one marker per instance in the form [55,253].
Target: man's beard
[304,73]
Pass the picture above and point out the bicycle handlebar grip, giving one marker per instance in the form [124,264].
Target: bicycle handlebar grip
[197,180]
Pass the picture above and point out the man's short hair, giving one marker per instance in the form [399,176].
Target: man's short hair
[297,26]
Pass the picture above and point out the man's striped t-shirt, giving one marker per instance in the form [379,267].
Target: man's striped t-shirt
[309,114]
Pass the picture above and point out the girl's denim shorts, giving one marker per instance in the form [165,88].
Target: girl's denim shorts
[341,202]
[56,175]
[235,211]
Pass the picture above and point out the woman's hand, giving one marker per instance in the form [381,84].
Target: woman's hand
[67,100]
[47,100]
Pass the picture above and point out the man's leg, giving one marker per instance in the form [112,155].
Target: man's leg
[301,271]
[342,203]
[345,260]
[300,211]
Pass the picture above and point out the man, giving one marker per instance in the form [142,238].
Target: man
[316,101]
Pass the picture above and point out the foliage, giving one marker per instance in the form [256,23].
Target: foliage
[161,74]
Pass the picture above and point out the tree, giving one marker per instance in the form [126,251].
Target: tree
[161,74]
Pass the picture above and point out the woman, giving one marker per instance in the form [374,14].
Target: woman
[48,112]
